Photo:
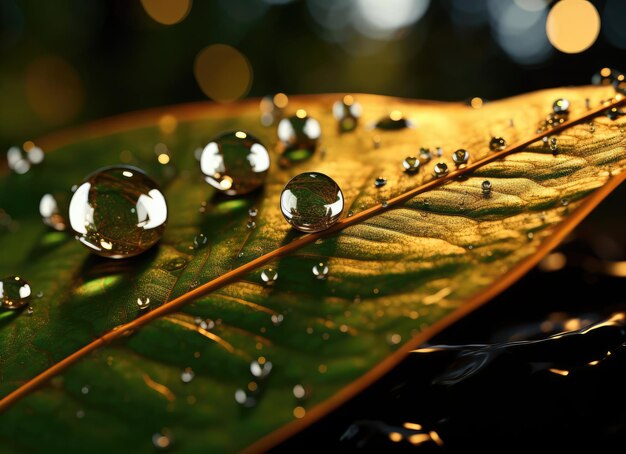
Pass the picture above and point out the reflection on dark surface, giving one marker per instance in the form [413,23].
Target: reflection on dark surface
[541,366]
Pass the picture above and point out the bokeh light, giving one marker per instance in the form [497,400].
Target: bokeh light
[167,12]
[223,73]
[53,89]
[573,25]
[379,19]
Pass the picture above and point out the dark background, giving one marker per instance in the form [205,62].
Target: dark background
[65,62]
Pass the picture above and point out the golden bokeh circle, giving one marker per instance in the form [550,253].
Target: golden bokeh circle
[573,25]
[223,73]
[167,12]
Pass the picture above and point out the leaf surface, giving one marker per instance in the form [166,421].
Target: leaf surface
[393,276]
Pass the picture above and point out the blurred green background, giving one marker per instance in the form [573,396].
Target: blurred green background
[69,61]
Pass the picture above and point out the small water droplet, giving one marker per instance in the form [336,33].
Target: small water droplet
[554,145]
[439,152]
[347,113]
[277,319]
[320,270]
[30,310]
[460,157]
[175,264]
[411,164]
[560,106]
[39,295]
[470,247]
[200,241]
[235,163]
[497,144]
[100,212]
[85,389]
[530,235]
[269,276]
[384,204]
[486,187]
[311,202]
[252,212]
[393,122]
[187,375]
[251,224]
[298,137]
[394,339]
[260,367]
[440,169]
[240,255]
[194,283]
[425,155]
[15,292]
[162,440]
[242,398]
[564,202]
[350,213]
[614,113]
[380,182]
[143,303]
[592,127]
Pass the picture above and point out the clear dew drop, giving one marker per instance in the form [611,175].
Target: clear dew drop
[554,145]
[298,137]
[486,187]
[384,204]
[560,106]
[350,213]
[235,163]
[425,155]
[118,212]
[460,157]
[277,319]
[162,440]
[440,170]
[564,202]
[347,113]
[200,241]
[15,293]
[380,182]
[260,367]
[269,276]
[252,212]
[439,152]
[187,375]
[299,392]
[311,202]
[497,144]
[411,164]
[530,236]
[614,113]
[30,310]
[143,303]
[251,224]
[320,270]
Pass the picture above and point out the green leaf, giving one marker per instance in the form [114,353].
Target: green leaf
[397,273]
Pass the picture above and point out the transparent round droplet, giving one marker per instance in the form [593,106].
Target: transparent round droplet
[15,292]
[460,157]
[614,113]
[347,113]
[235,163]
[425,155]
[440,169]
[560,106]
[200,241]
[384,204]
[486,187]
[118,212]
[411,164]
[253,212]
[393,122]
[30,310]
[311,202]
[53,210]
[380,182]
[143,303]
[298,136]
[605,76]
[320,270]
[187,375]
[269,276]
[554,144]
[260,368]
[251,224]
[497,144]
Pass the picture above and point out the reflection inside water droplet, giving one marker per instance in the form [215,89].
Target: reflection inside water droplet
[15,292]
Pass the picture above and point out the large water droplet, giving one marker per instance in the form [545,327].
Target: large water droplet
[560,106]
[14,292]
[298,136]
[394,121]
[143,303]
[311,202]
[497,144]
[53,210]
[118,212]
[347,113]
[411,164]
[460,157]
[235,163]
[269,276]
[320,270]
[440,169]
